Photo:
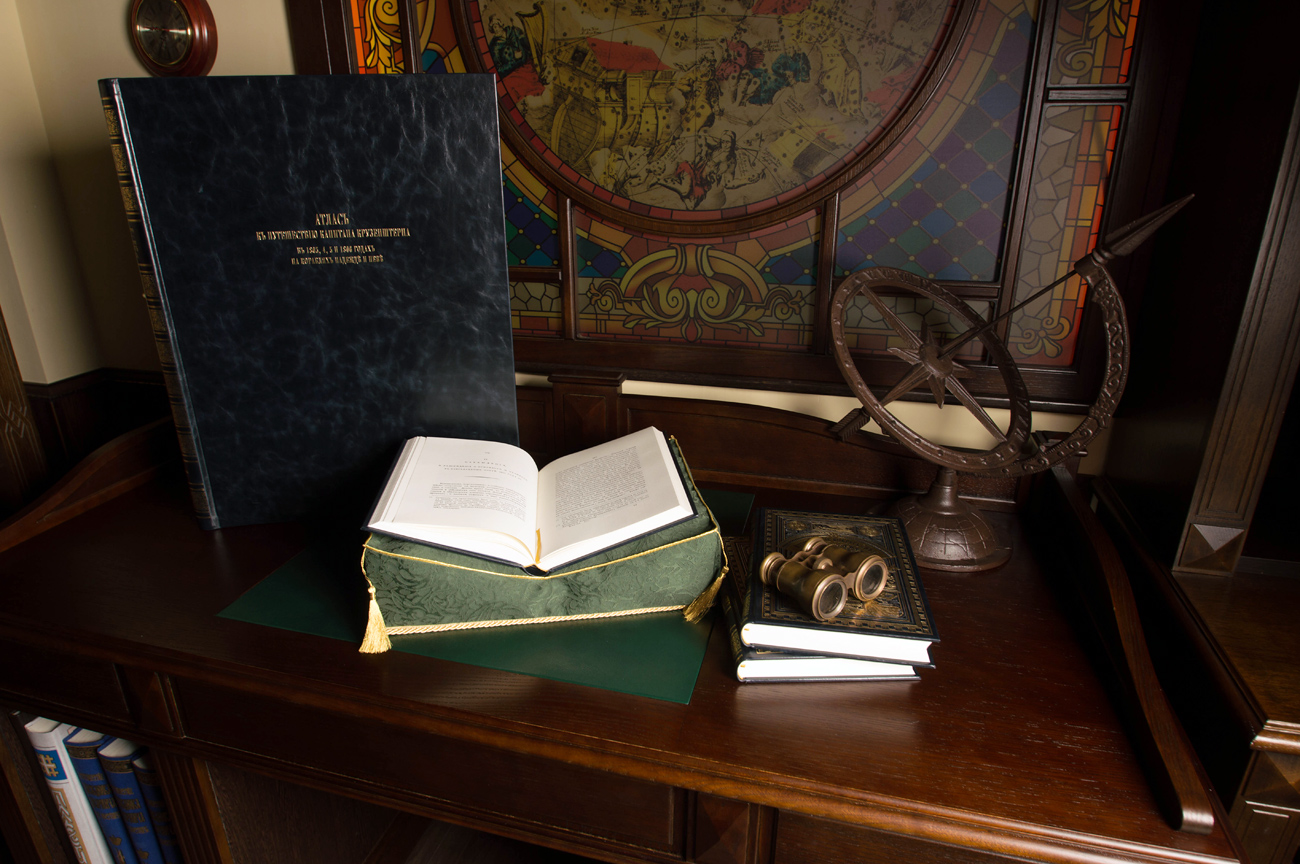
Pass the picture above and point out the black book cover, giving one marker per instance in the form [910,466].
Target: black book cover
[772,665]
[877,629]
[324,262]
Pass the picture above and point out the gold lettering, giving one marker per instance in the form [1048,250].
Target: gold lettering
[331,219]
[383,232]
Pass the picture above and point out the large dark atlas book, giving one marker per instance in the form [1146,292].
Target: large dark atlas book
[775,666]
[895,627]
[324,264]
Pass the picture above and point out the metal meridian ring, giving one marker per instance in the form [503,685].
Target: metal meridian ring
[1005,455]
[1104,295]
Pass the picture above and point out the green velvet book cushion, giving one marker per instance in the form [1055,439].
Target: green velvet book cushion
[416,588]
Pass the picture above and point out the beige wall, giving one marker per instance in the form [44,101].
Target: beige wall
[40,289]
[68,283]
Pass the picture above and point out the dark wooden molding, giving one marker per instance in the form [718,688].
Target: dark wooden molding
[1258,382]
[80,413]
[124,463]
[195,810]
[319,33]
[1220,715]
[1215,345]
[585,409]
[28,823]
[24,469]
[1099,580]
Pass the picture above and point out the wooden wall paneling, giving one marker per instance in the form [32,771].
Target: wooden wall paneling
[122,464]
[273,822]
[397,844]
[320,36]
[585,408]
[442,843]
[1258,381]
[536,423]
[78,414]
[1205,265]
[725,831]
[23,467]
[192,802]
[1270,545]
[1266,813]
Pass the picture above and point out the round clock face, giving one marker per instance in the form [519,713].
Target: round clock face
[174,37]
[164,31]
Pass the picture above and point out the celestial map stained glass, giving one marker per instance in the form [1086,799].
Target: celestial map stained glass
[704,107]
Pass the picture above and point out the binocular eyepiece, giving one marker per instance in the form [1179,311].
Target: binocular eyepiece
[820,576]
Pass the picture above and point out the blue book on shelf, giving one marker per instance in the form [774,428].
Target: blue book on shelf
[159,815]
[83,745]
[115,757]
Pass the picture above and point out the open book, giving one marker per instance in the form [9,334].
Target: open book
[490,499]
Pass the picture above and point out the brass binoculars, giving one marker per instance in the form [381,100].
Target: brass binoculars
[820,576]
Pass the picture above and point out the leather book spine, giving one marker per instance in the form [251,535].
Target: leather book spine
[81,746]
[173,376]
[88,844]
[159,815]
[115,756]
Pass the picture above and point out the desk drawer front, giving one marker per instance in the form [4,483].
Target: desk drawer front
[36,677]
[415,765]
[800,839]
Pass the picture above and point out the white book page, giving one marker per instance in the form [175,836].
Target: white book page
[442,488]
[608,494]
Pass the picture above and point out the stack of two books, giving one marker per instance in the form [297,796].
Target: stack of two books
[886,638]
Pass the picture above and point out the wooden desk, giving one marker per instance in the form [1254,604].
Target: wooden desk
[1252,619]
[1010,747]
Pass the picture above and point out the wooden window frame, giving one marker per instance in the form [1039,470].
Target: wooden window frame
[321,38]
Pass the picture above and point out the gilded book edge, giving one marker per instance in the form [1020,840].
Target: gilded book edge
[137,221]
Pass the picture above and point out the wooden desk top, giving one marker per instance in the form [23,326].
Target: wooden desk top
[1009,746]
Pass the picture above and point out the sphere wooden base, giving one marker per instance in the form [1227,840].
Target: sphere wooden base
[946,532]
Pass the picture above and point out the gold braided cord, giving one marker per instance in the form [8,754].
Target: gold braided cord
[713,531]
[410,629]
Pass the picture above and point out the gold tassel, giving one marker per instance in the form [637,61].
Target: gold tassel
[376,641]
[701,604]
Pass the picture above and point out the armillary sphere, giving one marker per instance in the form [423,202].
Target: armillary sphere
[945,532]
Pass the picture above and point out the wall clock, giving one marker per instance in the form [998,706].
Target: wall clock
[173,37]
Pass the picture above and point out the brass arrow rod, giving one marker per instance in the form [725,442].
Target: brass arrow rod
[954,346]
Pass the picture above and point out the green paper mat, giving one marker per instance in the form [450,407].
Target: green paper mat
[321,592]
